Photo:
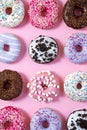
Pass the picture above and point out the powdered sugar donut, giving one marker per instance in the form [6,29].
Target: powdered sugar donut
[75,86]
[44,87]
[43,13]
[11,119]
[11,13]
[45,118]
[10,48]
[43,49]
[76,48]
[77,120]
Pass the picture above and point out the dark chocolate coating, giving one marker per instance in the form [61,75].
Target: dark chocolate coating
[72,20]
[10,84]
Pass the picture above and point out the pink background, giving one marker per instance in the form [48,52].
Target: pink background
[27,68]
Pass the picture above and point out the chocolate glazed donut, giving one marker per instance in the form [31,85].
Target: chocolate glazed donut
[75,13]
[11,84]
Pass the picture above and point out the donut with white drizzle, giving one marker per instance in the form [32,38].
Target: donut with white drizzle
[44,87]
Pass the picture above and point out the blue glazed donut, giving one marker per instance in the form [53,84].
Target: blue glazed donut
[45,118]
[10,47]
[76,48]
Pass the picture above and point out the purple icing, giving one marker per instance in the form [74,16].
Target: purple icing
[47,116]
[76,48]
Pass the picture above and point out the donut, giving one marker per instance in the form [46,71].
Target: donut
[43,87]
[10,48]
[45,118]
[11,118]
[75,86]
[43,14]
[75,48]
[75,13]
[77,120]
[11,13]
[43,49]
[11,84]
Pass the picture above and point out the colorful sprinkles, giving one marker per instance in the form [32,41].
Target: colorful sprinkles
[15,17]
[75,86]
[43,87]
[45,116]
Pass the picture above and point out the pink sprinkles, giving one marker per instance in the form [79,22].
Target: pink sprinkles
[43,13]
[11,119]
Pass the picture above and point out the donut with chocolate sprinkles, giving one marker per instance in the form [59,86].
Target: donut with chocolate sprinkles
[43,49]
[75,13]
[10,84]
[77,120]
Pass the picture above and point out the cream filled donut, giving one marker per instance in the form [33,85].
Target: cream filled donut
[11,118]
[75,86]
[11,13]
[10,47]
[43,13]
[44,87]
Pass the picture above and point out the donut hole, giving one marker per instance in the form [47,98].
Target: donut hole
[78,11]
[43,11]
[7,84]
[45,124]
[44,86]
[6,47]
[8,10]
[78,48]
[7,124]
[79,86]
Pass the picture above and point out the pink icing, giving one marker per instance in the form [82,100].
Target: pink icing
[43,14]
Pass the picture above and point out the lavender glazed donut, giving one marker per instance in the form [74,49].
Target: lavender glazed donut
[43,87]
[10,48]
[11,118]
[76,48]
[77,120]
[75,86]
[11,13]
[45,119]
[43,13]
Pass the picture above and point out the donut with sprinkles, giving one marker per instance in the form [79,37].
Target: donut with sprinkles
[11,13]
[75,86]
[45,118]
[43,14]
[11,118]
[43,87]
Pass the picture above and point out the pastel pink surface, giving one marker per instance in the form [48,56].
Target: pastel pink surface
[61,66]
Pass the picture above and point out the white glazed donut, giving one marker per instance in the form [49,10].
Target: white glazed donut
[75,86]
[14,47]
[15,15]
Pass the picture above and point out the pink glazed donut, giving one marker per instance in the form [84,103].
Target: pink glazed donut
[43,87]
[11,119]
[43,13]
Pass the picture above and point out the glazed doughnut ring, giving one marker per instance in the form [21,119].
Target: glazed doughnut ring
[45,118]
[75,86]
[10,48]
[43,14]
[44,87]
[11,119]
[76,48]
[75,13]
[43,49]
[11,84]
[77,120]
[11,13]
